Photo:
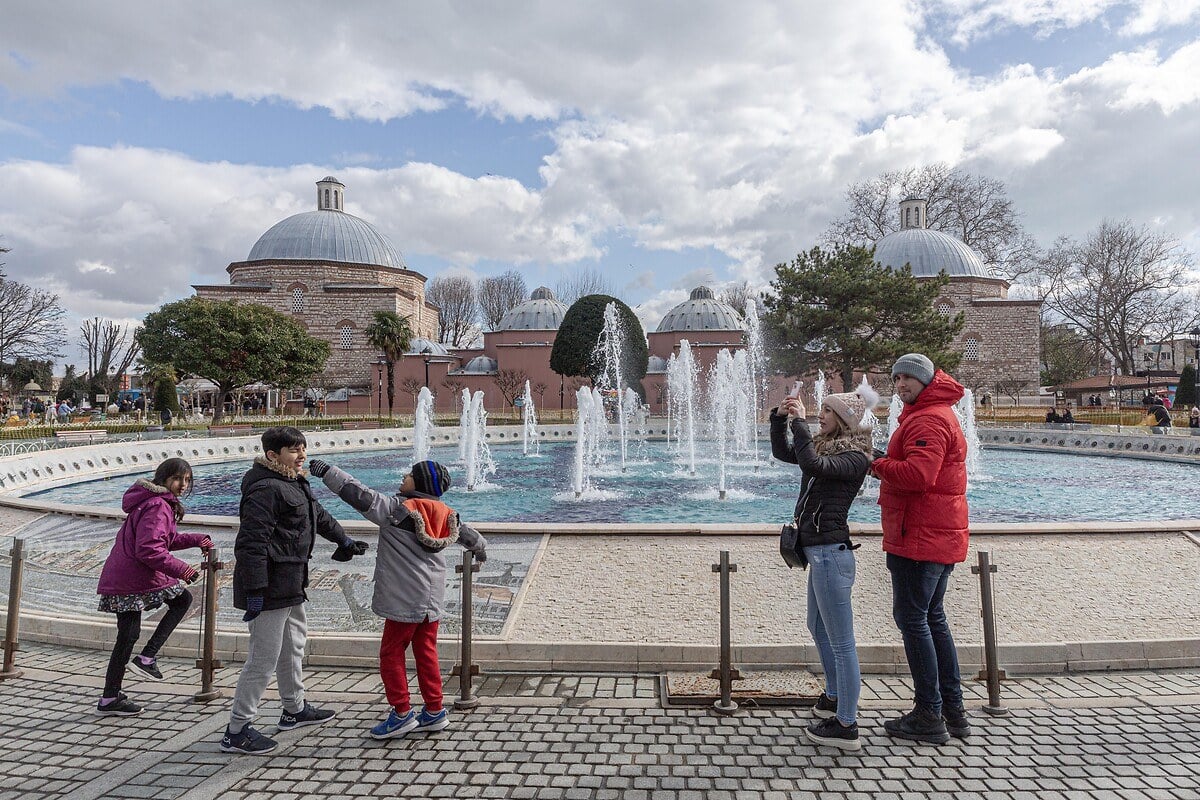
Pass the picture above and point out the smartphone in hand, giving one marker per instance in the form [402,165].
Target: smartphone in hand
[795,392]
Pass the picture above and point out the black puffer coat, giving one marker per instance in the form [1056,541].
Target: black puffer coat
[829,485]
[279,521]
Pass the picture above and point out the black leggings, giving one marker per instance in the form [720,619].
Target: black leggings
[129,628]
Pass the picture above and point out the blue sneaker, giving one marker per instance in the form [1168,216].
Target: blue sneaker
[395,725]
[432,722]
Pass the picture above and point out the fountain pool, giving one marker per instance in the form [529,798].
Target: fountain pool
[1016,486]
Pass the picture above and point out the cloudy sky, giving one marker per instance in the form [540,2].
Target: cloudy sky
[146,145]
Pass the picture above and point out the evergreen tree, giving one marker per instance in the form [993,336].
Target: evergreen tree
[841,311]
[574,351]
[1185,393]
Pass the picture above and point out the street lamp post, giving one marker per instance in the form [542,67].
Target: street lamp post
[380,363]
[427,360]
[1195,334]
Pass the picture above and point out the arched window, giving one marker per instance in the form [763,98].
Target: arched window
[327,198]
[346,336]
[337,200]
[907,217]
[971,349]
[944,309]
[296,302]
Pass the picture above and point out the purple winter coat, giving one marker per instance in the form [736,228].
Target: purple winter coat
[140,560]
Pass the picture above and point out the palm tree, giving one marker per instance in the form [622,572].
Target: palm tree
[391,334]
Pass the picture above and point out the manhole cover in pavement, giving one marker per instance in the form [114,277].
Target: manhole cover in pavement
[785,687]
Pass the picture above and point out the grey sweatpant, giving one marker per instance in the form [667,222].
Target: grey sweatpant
[276,648]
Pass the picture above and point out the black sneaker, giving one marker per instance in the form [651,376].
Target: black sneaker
[832,733]
[957,722]
[247,741]
[121,707]
[148,671]
[309,715]
[919,725]
[825,707]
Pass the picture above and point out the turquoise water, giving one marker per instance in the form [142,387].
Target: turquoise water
[1017,487]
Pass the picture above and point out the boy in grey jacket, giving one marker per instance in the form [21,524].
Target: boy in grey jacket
[410,582]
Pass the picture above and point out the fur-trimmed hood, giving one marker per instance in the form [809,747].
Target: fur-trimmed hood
[434,522]
[276,467]
[143,490]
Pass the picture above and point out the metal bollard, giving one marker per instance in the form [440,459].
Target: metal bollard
[725,673]
[207,662]
[13,618]
[465,669]
[991,671]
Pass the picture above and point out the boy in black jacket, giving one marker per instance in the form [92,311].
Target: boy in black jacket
[279,521]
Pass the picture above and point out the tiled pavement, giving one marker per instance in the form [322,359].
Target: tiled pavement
[1117,735]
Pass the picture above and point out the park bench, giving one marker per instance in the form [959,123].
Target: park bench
[230,430]
[89,435]
[361,425]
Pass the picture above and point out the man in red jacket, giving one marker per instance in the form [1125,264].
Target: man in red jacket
[923,505]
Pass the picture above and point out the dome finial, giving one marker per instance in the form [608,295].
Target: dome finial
[912,213]
[331,194]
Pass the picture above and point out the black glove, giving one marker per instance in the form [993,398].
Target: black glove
[191,575]
[480,555]
[349,549]
[254,607]
[317,468]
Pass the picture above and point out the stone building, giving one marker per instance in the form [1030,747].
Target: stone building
[1000,340]
[331,271]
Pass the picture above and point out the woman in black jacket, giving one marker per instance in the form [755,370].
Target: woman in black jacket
[833,466]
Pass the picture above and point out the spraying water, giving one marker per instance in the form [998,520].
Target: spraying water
[583,414]
[529,429]
[682,375]
[722,387]
[965,409]
[478,456]
[464,425]
[423,425]
[759,381]
[819,389]
[608,350]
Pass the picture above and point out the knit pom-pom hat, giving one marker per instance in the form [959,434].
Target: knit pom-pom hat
[852,407]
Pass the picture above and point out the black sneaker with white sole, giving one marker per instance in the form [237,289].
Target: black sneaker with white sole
[248,742]
[832,733]
[149,671]
[919,725]
[309,715]
[825,707]
[957,722]
[121,707]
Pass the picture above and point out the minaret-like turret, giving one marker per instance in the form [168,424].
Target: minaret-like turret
[912,213]
[331,194]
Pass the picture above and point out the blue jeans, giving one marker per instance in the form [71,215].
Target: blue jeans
[831,621]
[918,588]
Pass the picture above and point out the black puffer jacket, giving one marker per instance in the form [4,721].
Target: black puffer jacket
[829,485]
[279,521]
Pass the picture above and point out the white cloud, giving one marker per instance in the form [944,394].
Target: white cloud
[975,19]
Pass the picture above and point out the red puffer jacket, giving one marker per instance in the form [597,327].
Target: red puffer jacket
[923,494]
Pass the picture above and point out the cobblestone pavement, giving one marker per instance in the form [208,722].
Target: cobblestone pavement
[1115,735]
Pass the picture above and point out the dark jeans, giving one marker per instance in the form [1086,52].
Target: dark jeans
[918,588]
[129,628]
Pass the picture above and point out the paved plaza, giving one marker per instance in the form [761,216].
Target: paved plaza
[1100,735]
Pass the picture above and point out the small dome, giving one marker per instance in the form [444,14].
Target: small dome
[656,364]
[326,236]
[541,312]
[480,365]
[701,313]
[928,252]
[418,347]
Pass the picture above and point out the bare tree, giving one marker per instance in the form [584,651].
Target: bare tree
[458,308]
[584,282]
[110,349]
[539,389]
[30,322]
[498,294]
[455,388]
[739,296]
[413,386]
[973,208]
[511,383]
[1119,285]
[1011,387]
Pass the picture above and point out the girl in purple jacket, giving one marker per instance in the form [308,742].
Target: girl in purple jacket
[141,574]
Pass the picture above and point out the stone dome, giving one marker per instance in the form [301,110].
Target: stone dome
[541,312]
[326,236]
[926,251]
[417,347]
[701,312]
[480,365]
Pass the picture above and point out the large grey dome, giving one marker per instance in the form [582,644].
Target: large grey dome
[418,347]
[701,312]
[541,312]
[928,252]
[326,236]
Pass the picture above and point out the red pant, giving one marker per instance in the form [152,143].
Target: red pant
[396,638]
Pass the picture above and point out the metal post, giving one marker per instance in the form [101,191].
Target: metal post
[992,671]
[465,669]
[207,662]
[725,673]
[13,618]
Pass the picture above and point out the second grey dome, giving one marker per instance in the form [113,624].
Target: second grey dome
[541,312]
[702,312]
[929,252]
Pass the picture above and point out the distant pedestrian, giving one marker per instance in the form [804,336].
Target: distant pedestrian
[141,574]
[415,526]
[923,509]
[833,466]
[1194,418]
